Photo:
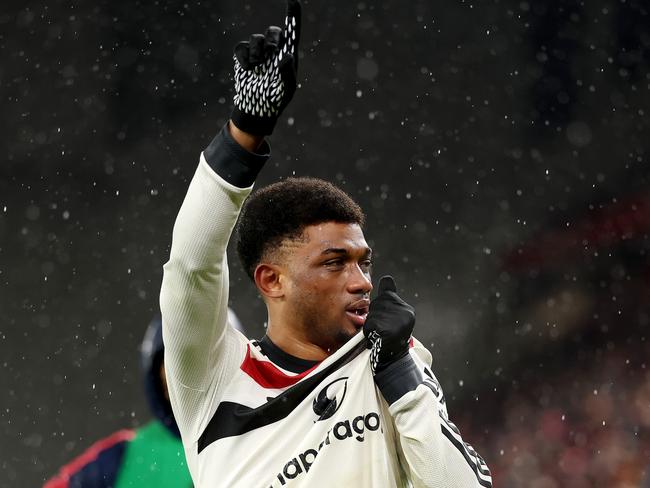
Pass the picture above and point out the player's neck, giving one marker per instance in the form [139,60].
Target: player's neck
[292,342]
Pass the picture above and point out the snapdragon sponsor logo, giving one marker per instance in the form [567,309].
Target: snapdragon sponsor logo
[356,429]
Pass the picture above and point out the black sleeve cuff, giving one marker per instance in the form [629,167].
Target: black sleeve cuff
[234,163]
[398,379]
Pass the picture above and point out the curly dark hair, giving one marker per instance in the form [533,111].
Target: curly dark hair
[282,211]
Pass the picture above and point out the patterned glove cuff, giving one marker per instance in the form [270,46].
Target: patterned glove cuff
[397,379]
[253,124]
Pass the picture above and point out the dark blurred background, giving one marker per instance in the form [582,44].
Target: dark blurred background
[500,149]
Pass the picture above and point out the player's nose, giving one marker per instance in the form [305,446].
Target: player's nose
[359,282]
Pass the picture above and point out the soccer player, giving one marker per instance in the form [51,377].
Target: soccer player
[337,393]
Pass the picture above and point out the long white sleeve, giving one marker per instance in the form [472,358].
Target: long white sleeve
[434,453]
[200,351]
[194,295]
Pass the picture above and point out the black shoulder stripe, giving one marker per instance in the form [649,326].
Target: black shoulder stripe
[232,419]
[479,467]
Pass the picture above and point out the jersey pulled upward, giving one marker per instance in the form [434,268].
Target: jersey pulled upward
[249,420]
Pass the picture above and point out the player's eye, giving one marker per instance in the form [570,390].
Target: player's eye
[366,263]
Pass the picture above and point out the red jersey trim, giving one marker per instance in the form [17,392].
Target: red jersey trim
[267,375]
[67,471]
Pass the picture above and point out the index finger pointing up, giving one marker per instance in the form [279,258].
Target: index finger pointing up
[292,25]
[293,9]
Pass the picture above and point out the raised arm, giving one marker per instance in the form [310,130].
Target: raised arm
[201,353]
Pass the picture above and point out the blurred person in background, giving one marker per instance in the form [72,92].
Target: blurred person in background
[149,456]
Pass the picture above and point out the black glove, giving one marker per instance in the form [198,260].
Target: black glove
[389,326]
[265,74]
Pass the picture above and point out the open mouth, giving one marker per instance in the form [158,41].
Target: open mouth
[358,312]
[357,317]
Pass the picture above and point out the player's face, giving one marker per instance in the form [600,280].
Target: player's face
[329,283]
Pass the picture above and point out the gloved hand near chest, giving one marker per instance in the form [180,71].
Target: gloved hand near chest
[389,326]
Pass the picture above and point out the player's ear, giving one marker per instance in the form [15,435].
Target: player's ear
[267,278]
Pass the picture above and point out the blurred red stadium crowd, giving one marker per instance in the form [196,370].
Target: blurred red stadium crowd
[576,429]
